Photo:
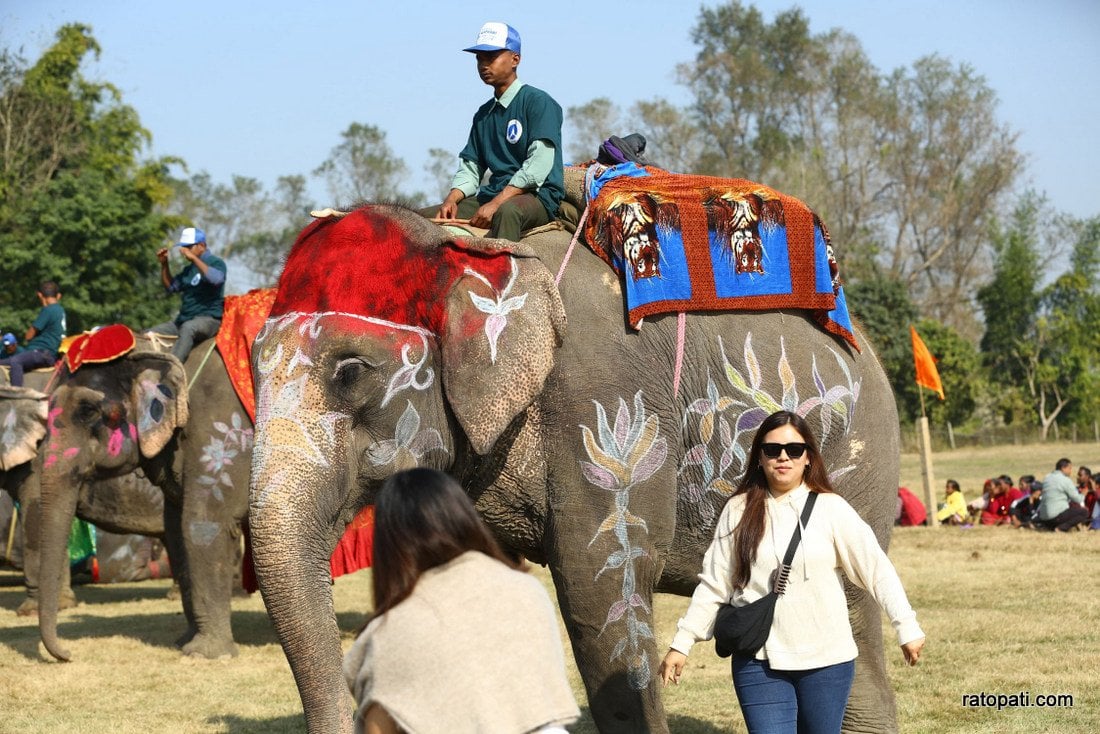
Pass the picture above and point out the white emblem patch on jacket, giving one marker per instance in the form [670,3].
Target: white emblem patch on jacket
[513,131]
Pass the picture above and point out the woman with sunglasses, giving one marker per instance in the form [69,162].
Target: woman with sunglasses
[460,640]
[800,679]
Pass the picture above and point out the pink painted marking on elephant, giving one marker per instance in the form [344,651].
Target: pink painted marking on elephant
[114,443]
[407,282]
[70,452]
[51,420]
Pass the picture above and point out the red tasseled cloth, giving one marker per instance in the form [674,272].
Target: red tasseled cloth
[110,342]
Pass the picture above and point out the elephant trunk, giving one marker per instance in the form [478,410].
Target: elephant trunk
[291,551]
[57,509]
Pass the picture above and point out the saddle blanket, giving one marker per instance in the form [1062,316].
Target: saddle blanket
[685,243]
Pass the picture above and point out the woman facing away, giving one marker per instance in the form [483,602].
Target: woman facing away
[460,639]
[800,679]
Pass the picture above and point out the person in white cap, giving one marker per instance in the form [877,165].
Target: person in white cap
[202,285]
[516,136]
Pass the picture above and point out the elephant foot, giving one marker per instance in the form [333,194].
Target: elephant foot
[174,594]
[209,646]
[29,607]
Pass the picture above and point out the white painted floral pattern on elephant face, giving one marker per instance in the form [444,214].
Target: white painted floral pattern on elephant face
[409,444]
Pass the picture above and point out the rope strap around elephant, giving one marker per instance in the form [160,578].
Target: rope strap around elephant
[191,382]
[681,333]
[572,245]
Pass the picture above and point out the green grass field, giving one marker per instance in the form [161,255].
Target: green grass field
[1006,611]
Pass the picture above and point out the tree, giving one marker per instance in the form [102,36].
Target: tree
[950,164]
[441,167]
[673,142]
[363,168]
[591,124]
[77,204]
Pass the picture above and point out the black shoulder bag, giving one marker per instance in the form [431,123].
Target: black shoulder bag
[742,631]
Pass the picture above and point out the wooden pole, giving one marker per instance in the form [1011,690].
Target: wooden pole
[951,435]
[927,476]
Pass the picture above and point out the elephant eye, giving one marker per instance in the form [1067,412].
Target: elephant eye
[86,412]
[350,371]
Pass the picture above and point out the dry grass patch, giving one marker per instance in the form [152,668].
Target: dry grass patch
[1005,611]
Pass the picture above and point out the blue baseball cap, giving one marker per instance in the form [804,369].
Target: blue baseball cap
[495,36]
[9,338]
[191,236]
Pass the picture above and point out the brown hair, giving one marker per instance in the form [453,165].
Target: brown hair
[422,519]
[754,485]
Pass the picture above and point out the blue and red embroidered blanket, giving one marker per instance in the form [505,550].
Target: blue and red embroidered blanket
[699,243]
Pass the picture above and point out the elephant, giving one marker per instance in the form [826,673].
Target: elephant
[601,451]
[184,429]
[129,504]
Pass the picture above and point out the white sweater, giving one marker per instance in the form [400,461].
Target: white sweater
[811,627]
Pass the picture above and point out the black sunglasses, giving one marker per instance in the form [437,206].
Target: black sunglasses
[794,450]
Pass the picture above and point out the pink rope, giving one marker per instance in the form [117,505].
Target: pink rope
[572,244]
[681,330]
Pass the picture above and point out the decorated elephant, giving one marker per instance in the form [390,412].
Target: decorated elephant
[110,417]
[601,451]
[125,505]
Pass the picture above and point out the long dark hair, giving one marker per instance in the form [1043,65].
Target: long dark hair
[754,485]
[422,519]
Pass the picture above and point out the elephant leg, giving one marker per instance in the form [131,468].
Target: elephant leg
[177,558]
[30,523]
[871,706]
[611,630]
[211,552]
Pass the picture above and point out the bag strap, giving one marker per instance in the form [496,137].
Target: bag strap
[785,569]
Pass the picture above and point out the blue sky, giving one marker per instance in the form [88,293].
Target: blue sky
[264,89]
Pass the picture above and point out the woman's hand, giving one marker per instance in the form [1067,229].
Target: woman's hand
[911,650]
[672,666]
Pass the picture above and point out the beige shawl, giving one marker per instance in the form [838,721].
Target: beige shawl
[475,649]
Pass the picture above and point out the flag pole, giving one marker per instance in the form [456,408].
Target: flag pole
[927,476]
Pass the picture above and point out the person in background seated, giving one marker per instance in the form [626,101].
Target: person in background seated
[911,510]
[43,336]
[460,640]
[1000,502]
[976,507]
[202,284]
[1061,505]
[952,511]
[1025,511]
[10,346]
[516,136]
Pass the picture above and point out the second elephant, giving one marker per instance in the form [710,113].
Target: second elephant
[190,435]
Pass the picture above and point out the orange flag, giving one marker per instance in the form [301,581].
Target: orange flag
[927,374]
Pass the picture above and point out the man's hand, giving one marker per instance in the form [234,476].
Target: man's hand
[162,255]
[189,254]
[449,208]
[483,217]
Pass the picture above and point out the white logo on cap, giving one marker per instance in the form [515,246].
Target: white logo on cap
[514,130]
[493,34]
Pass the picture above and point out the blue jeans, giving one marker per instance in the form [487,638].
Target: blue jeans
[792,701]
[27,360]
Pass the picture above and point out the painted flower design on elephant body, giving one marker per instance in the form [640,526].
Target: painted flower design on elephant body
[220,451]
[498,308]
[725,425]
[621,457]
[408,445]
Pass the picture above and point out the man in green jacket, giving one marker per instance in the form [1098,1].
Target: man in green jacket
[202,285]
[516,136]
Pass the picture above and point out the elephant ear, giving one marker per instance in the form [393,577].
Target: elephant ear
[159,396]
[23,413]
[499,339]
